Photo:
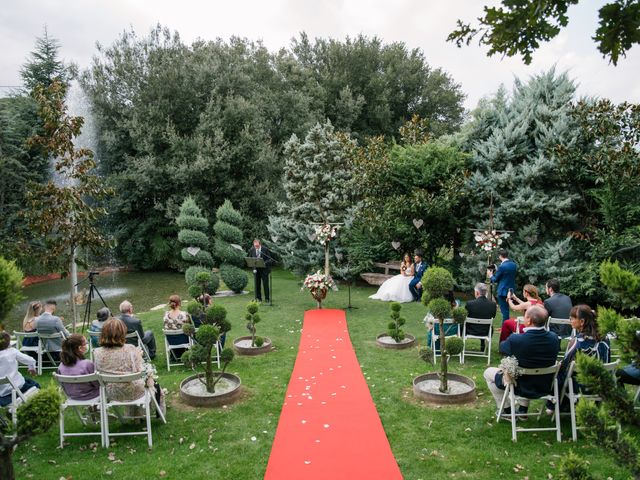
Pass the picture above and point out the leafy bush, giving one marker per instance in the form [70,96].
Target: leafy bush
[228,214]
[226,254]
[192,234]
[229,233]
[252,319]
[235,278]
[395,325]
[212,284]
[459,315]
[454,345]
[440,308]
[10,286]
[202,257]
[193,238]
[436,283]
[574,467]
[227,228]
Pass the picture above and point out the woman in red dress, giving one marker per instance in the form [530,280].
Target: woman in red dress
[530,293]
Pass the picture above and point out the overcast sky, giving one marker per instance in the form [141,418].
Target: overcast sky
[425,24]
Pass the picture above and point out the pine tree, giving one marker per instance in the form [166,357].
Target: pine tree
[317,179]
[193,227]
[44,65]
[228,233]
[514,163]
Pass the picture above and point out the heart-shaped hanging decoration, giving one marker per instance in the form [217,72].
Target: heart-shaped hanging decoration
[395,245]
[193,251]
[531,240]
[312,236]
[275,238]
[418,222]
[339,256]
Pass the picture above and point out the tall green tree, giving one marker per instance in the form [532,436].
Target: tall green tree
[44,65]
[515,168]
[228,247]
[519,26]
[65,215]
[317,182]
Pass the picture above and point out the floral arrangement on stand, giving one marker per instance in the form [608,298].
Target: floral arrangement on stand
[318,285]
[325,233]
[489,240]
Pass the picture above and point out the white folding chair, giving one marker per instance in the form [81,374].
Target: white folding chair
[93,336]
[17,399]
[135,336]
[574,396]
[434,337]
[95,402]
[519,321]
[560,322]
[554,397]
[488,322]
[169,347]
[44,350]
[143,401]
[20,336]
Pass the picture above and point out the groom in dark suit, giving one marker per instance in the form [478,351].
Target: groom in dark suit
[261,275]
[419,268]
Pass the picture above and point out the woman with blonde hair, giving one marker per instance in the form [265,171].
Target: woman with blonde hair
[174,319]
[29,324]
[532,297]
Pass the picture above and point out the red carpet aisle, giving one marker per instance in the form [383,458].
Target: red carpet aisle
[329,428]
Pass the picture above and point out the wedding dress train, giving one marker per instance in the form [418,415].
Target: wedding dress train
[395,289]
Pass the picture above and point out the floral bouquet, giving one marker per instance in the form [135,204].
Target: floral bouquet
[318,284]
[489,240]
[510,370]
[325,233]
[151,373]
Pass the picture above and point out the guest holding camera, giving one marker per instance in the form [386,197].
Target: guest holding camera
[530,293]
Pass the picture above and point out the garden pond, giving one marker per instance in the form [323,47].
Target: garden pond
[144,290]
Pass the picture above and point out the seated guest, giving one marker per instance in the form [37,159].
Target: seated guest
[530,293]
[47,323]
[535,348]
[29,324]
[173,319]
[481,307]
[115,357]
[9,358]
[135,325]
[102,316]
[558,305]
[588,341]
[629,375]
[73,363]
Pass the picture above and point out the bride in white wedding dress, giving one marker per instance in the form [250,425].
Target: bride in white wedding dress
[397,288]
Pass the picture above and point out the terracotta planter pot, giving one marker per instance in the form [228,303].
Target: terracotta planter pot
[190,395]
[385,341]
[239,345]
[461,389]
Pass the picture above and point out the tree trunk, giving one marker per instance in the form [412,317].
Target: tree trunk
[208,373]
[6,464]
[443,359]
[326,259]
[73,278]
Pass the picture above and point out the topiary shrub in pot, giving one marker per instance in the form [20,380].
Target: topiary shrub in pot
[252,344]
[205,338]
[231,259]
[437,282]
[395,337]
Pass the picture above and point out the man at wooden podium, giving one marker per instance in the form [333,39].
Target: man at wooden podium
[261,275]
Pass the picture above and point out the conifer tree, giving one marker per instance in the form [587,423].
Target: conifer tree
[231,259]
[192,235]
[514,163]
[317,177]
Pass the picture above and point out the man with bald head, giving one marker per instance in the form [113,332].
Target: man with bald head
[535,348]
[135,325]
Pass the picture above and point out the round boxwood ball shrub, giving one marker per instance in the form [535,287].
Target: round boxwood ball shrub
[436,283]
[454,345]
[234,277]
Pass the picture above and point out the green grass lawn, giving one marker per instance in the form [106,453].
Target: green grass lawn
[428,442]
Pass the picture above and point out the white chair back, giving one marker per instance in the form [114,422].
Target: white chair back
[488,322]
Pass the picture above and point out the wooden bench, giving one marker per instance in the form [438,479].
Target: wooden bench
[379,278]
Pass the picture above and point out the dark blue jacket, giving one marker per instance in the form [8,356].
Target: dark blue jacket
[419,271]
[536,348]
[505,277]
